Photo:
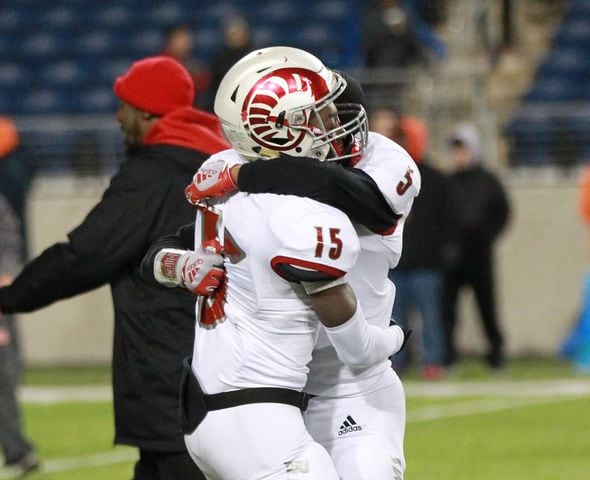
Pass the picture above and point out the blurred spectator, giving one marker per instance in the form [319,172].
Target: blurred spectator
[577,344]
[19,455]
[237,44]
[386,121]
[418,276]
[480,213]
[389,38]
[432,11]
[178,44]
[167,140]
[15,176]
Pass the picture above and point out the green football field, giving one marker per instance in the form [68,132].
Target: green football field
[532,422]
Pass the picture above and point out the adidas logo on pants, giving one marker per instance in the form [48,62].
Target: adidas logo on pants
[349,425]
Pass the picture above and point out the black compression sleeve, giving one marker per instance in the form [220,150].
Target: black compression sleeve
[348,189]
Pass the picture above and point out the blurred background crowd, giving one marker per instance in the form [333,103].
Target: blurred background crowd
[514,72]
[513,66]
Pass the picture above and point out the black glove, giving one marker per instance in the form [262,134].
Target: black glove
[407,334]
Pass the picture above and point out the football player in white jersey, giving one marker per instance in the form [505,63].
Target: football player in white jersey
[286,259]
[357,414]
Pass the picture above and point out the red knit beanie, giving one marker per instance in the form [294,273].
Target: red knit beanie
[156,85]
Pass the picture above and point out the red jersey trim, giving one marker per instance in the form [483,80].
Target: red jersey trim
[390,230]
[319,267]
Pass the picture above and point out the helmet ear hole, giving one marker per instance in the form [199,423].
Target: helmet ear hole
[280,119]
[234,94]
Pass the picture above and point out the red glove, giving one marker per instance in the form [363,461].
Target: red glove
[213,179]
[199,271]
[202,272]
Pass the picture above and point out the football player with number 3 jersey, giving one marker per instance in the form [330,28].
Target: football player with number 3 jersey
[286,260]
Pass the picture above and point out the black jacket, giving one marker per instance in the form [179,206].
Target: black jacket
[154,326]
[426,229]
[480,211]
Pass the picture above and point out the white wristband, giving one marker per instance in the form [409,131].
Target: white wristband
[166,268]
[359,344]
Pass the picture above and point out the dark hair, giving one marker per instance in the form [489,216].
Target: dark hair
[354,91]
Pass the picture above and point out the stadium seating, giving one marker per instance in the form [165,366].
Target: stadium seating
[61,57]
[552,125]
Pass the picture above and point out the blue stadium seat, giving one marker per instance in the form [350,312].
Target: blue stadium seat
[578,125]
[553,89]
[538,138]
[98,100]
[11,100]
[578,8]
[63,75]
[59,17]
[42,45]
[45,101]
[116,15]
[281,12]
[169,13]
[142,43]
[329,56]
[315,36]
[13,76]
[207,40]
[330,10]
[220,11]
[564,61]
[11,20]
[577,28]
[99,42]
[107,71]
[7,47]
[265,36]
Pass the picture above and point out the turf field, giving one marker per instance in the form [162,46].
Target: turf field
[532,422]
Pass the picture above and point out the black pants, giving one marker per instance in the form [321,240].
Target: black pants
[166,466]
[479,275]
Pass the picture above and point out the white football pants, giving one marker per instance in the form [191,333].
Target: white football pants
[364,435]
[258,441]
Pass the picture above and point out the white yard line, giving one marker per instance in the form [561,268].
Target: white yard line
[475,407]
[93,460]
[504,388]
[63,394]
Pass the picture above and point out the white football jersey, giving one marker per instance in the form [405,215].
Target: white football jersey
[398,178]
[269,329]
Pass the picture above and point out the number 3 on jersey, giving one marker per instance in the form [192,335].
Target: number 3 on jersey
[335,243]
[404,185]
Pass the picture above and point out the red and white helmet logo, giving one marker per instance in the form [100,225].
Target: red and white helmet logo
[278,92]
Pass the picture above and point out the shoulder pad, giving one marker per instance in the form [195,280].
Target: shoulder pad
[314,242]
[393,170]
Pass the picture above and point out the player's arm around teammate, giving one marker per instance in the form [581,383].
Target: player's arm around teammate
[172,263]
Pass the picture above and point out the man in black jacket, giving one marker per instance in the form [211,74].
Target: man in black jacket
[480,213]
[167,141]
[419,275]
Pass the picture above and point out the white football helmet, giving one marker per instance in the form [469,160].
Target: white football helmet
[270,101]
